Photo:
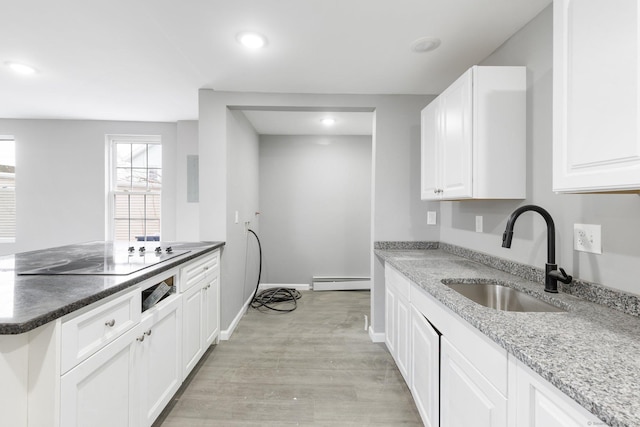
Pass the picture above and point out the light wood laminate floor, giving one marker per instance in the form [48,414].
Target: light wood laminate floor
[315,366]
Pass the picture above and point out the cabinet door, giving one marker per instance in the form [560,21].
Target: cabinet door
[539,404]
[403,337]
[101,390]
[192,328]
[596,142]
[211,311]
[425,368]
[467,398]
[390,318]
[159,364]
[456,155]
[429,131]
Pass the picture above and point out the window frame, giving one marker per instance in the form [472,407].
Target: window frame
[12,239]
[112,177]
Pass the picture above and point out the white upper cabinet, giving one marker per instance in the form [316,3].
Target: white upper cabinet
[474,137]
[596,144]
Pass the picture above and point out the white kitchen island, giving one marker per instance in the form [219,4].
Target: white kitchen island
[82,348]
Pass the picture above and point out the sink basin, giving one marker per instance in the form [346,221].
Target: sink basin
[502,297]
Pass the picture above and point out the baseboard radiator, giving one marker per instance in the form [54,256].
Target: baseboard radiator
[341,283]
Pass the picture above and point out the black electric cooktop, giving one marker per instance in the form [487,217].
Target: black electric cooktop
[109,263]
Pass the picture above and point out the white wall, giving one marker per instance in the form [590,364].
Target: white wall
[315,207]
[398,213]
[618,214]
[61,179]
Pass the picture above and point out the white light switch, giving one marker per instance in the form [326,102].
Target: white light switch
[431,217]
[478,223]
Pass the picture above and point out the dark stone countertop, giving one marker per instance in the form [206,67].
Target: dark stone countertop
[29,301]
[591,352]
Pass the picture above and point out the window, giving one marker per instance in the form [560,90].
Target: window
[7,189]
[136,184]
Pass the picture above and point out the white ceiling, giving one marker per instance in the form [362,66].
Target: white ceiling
[308,123]
[146,59]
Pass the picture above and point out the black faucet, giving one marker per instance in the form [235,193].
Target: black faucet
[552,273]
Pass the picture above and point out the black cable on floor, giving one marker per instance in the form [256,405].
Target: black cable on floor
[269,297]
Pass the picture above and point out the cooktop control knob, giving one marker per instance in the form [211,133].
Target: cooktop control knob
[169,249]
[142,249]
[158,250]
[131,249]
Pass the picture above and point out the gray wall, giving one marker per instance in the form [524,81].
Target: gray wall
[397,211]
[315,207]
[61,179]
[240,266]
[618,214]
[187,213]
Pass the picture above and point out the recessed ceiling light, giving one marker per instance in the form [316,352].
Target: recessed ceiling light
[252,40]
[425,44]
[21,68]
[328,121]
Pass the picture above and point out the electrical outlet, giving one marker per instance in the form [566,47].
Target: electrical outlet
[478,223]
[431,217]
[587,238]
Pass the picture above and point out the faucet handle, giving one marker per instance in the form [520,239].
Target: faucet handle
[566,279]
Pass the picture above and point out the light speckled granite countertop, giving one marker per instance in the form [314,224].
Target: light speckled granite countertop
[591,352]
[29,301]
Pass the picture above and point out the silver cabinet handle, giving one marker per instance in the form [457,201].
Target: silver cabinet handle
[140,338]
[147,333]
[110,323]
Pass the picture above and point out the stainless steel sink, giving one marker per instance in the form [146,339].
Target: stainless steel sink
[502,297]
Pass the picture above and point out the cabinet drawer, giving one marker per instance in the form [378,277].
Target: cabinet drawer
[82,336]
[199,269]
[397,281]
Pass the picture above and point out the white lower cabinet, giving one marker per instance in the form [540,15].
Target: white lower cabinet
[398,321]
[467,398]
[403,345]
[460,378]
[121,365]
[192,329]
[159,359]
[539,404]
[130,381]
[100,391]
[425,368]
[201,309]
[211,315]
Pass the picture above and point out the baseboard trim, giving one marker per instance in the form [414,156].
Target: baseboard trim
[376,336]
[298,286]
[226,334]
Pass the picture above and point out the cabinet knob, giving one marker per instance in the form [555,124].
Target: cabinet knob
[206,268]
[148,332]
[140,338]
[110,323]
